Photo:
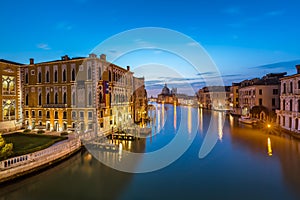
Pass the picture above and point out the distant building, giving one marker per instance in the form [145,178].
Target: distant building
[167,96]
[184,99]
[10,96]
[140,102]
[260,96]
[214,97]
[234,99]
[288,115]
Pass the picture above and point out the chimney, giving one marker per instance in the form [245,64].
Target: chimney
[298,69]
[65,57]
[128,68]
[103,57]
[92,55]
[31,61]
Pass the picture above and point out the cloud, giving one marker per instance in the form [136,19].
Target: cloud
[43,46]
[205,73]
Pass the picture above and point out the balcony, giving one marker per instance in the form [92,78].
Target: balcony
[55,105]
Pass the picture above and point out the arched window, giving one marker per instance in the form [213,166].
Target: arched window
[283,105]
[55,76]
[26,100]
[56,98]
[64,76]
[291,87]
[90,98]
[89,73]
[291,105]
[40,99]
[73,74]
[26,77]
[39,77]
[109,75]
[65,98]
[284,88]
[299,105]
[47,77]
[73,98]
[48,98]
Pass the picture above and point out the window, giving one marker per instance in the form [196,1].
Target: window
[283,105]
[284,88]
[73,115]
[275,91]
[48,98]
[110,122]
[90,99]
[81,114]
[40,114]
[273,101]
[253,92]
[73,99]
[101,114]
[9,109]
[291,105]
[283,121]
[90,126]
[32,72]
[73,74]
[236,90]
[40,99]
[101,125]
[291,87]
[89,73]
[299,105]
[65,98]
[56,115]
[299,84]
[55,76]
[26,114]
[260,102]
[8,85]
[110,112]
[47,76]
[260,91]
[237,99]
[290,122]
[40,77]
[100,73]
[296,123]
[26,78]
[33,113]
[56,98]
[47,114]
[90,115]
[109,76]
[65,115]
[64,76]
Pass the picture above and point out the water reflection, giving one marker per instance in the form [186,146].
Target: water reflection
[189,119]
[220,125]
[200,114]
[175,116]
[269,147]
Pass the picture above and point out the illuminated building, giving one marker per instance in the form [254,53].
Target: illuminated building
[288,116]
[214,97]
[140,101]
[167,96]
[10,96]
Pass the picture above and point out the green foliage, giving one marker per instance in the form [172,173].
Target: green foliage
[40,131]
[6,150]
[64,133]
[27,131]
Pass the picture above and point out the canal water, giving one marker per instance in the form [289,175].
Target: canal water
[244,163]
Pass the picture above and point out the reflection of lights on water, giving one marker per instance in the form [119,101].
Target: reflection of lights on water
[189,119]
[158,120]
[201,119]
[120,151]
[269,147]
[88,157]
[231,119]
[129,145]
[220,122]
[175,116]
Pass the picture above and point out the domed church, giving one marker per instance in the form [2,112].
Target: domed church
[167,96]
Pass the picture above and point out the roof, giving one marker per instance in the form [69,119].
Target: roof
[10,62]
[52,61]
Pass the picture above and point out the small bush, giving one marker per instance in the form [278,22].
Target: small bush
[27,131]
[40,131]
[64,133]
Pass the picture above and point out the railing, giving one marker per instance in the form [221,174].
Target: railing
[55,105]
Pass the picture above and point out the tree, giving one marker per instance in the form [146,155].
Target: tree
[6,150]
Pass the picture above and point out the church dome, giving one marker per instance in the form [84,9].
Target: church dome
[165,90]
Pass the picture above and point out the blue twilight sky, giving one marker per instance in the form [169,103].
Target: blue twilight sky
[238,35]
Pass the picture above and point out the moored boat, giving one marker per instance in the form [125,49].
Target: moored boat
[247,120]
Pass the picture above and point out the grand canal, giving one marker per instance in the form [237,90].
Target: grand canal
[245,163]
